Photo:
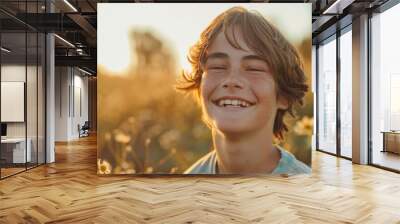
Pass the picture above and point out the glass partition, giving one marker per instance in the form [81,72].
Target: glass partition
[32,95]
[41,87]
[22,91]
[14,153]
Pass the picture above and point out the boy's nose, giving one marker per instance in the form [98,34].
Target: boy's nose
[233,80]
[231,84]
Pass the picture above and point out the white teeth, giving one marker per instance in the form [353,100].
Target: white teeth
[244,104]
[235,102]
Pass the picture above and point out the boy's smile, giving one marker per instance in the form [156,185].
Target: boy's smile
[234,101]
[232,106]
[238,91]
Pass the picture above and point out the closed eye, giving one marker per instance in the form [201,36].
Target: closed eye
[255,69]
[217,67]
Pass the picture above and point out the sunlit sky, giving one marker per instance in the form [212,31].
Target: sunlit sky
[180,25]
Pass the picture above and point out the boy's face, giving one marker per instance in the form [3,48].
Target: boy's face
[238,92]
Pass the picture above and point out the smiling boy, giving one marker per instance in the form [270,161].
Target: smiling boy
[247,77]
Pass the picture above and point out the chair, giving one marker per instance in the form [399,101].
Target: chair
[84,130]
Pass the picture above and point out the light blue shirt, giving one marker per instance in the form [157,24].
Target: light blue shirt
[288,164]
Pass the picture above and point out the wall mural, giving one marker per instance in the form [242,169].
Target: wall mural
[204,88]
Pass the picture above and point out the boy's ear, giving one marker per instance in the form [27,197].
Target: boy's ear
[282,103]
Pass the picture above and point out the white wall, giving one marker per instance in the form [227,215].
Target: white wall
[16,73]
[61,103]
[71,94]
[13,73]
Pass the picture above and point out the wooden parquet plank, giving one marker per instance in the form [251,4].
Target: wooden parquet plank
[69,191]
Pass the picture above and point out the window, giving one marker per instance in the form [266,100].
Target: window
[327,96]
[346,93]
[385,89]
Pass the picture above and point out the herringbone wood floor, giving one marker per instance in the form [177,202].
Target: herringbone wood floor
[69,191]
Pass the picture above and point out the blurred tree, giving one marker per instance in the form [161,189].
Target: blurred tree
[150,54]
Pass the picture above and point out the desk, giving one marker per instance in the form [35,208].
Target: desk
[15,148]
[391,141]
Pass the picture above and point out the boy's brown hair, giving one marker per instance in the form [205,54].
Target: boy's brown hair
[266,41]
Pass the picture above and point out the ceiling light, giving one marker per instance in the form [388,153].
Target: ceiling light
[5,50]
[338,6]
[70,5]
[79,51]
[65,41]
[329,9]
[86,72]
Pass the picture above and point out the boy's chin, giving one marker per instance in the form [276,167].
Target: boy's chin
[232,128]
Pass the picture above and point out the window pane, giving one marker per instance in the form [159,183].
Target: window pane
[386,89]
[327,97]
[346,94]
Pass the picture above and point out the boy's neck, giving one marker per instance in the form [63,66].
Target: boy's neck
[250,154]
